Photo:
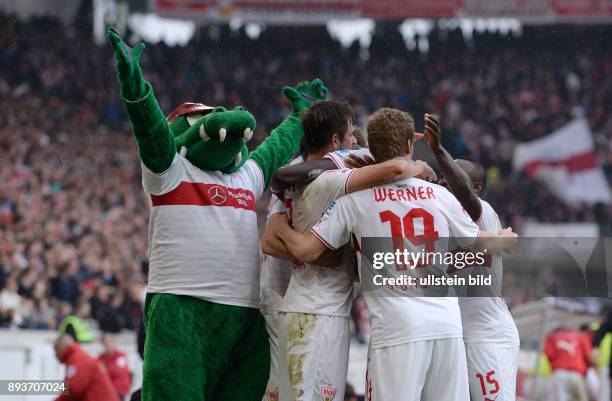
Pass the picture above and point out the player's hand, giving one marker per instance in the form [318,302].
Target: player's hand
[427,173]
[354,161]
[432,132]
[304,94]
[508,233]
[278,222]
[509,239]
[127,62]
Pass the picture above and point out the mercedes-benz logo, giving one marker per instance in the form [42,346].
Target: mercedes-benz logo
[217,194]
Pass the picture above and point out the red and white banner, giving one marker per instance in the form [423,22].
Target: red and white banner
[575,8]
[264,11]
[320,11]
[566,162]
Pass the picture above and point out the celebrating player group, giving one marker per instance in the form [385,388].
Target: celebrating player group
[205,336]
[421,348]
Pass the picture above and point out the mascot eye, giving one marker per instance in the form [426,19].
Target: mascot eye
[219,109]
[241,108]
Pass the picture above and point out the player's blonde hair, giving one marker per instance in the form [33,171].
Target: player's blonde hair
[388,131]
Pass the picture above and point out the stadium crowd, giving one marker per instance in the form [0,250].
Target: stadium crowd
[73,218]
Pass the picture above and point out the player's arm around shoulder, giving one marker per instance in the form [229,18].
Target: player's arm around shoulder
[304,247]
[388,171]
[289,176]
[270,243]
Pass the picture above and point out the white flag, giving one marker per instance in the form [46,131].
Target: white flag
[566,162]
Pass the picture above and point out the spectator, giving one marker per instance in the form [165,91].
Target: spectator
[65,286]
[10,304]
[105,310]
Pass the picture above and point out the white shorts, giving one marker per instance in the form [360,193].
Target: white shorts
[278,388]
[492,370]
[317,356]
[432,370]
[569,385]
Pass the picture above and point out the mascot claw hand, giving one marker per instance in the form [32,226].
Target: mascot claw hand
[304,94]
[127,60]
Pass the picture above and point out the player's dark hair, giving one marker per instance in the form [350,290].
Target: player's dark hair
[324,119]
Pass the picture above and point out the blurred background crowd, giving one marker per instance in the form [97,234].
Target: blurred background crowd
[73,218]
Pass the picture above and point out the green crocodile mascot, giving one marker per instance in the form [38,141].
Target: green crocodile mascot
[206,339]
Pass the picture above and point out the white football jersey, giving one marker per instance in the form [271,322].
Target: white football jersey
[487,319]
[275,272]
[312,288]
[379,211]
[203,238]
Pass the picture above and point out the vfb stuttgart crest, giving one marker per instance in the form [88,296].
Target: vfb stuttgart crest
[327,393]
[217,194]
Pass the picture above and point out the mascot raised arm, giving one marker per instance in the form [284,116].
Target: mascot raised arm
[206,339]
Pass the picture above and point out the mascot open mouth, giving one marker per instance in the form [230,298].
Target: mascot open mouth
[246,136]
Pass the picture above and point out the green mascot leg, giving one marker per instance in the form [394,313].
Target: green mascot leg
[201,351]
[250,366]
